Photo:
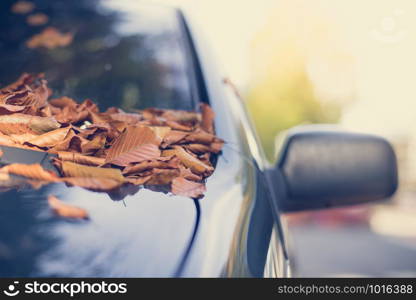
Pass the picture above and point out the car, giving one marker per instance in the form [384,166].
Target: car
[135,55]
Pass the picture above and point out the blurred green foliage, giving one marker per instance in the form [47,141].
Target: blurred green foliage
[281,100]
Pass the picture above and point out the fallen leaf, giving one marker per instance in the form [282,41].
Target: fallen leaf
[160,131]
[134,145]
[65,210]
[177,126]
[94,184]
[34,171]
[51,138]
[112,151]
[92,146]
[81,159]
[5,140]
[23,138]
[162,176]
[71,169]
[187,174]
[6,109]
[171,163]
[20,123]
[200,137]
[173,137]
[189,161]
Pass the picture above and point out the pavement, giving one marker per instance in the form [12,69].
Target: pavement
[319,251]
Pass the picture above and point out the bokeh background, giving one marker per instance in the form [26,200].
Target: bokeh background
[329,61]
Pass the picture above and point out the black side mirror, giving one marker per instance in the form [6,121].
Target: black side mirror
[326,168]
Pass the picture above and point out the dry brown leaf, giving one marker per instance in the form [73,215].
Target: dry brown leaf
[6,140]
[162,176]
[28,90]
[65,144]
[24,80]
[81,159]
[170,163]
[91,141]
[34,171]
[20,123]
[187,174]
[95,184]
[71,169]
[22,138]
[173,137]
[208,115]
[193,163]
[197,148]
[186,188]
[160,131]
[177,126]
[138,180]
[200,137]
[201,149]
[97,143]
[133,145]
[65,210]
[51,138]
[6,109]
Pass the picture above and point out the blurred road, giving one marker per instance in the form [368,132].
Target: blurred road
[350,251]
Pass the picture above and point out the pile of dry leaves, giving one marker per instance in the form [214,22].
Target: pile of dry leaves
[106,151]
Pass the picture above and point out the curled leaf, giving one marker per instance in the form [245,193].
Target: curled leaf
[196,165]
[51,138]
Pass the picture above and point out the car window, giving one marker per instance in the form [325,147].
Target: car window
[122,54]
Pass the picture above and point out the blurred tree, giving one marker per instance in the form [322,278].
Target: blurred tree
[282,94]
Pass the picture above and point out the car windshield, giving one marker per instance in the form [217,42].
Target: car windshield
[120,55]
[116,53]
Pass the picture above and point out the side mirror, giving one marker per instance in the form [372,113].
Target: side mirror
[326,168]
